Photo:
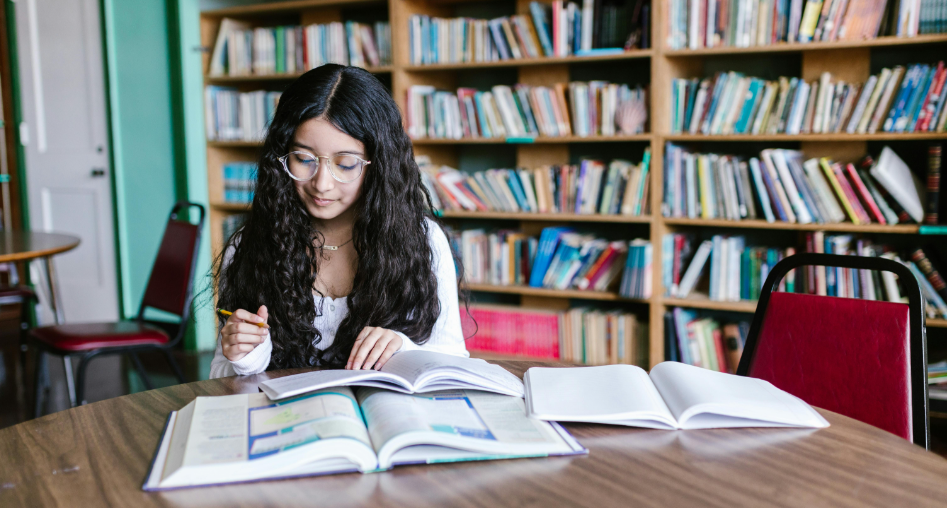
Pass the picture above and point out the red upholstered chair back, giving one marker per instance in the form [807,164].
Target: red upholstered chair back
[170,284]
[855,357]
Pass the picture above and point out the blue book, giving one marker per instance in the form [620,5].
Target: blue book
[778,205]
[918,100]
[548,241]
[901,100]
[681,318]
[715,261]
[513,181]
[481,116]
[580,185]
[542,26]
[599,51]
[577,32]
[496,30]
[714,101]
[692,86]
[830,287]
[740,126]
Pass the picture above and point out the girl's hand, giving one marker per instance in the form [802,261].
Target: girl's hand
[373,347]
[240,334]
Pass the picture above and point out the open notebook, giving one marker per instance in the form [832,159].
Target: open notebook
[247,437]
[407,372]
[674,396]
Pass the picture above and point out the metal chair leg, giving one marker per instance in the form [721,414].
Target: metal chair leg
[70,380]
[141,371]
[39,383]
[80,378]
[174,365]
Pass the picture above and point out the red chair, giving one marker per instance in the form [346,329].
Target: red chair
[864,359]
[169,289]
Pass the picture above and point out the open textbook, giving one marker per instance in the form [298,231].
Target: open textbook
[407,372]
[674,396]
[247,437]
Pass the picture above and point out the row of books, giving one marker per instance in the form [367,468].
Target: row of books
[559,29]
[702,341]
[523,111]
[721,23]
[737,272]
[937,380]
[579,335]
[239,181]
[895,100]
[585,188]
[241,50]
[783,185]
[598,337]
[231,115]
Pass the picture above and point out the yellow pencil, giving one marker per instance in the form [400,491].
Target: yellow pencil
[227,313]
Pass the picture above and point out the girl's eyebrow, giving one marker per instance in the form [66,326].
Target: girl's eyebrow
[300,145]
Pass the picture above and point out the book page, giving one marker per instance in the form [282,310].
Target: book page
[289,386]
[701,398]
[325,414]
[605,394]
[218,431]
[422,367]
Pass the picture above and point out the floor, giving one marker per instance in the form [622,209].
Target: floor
[112,377]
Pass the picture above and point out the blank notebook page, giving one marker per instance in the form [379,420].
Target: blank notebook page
[592,392]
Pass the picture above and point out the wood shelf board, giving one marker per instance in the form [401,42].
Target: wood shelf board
[254,78]
[812,46]
[701,301]
[878,136]
[526,62]
[230,207]
[283,7]
[554,293]
[552,217]
[790,226]
[936,323]
[538,140]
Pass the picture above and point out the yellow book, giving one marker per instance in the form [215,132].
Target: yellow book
[810,17]
[706,195]
[825,164]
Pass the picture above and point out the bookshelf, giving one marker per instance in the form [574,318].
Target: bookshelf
[852,61]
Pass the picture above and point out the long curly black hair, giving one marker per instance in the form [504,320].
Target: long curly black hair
[276,252]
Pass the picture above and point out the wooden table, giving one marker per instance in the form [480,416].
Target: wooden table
[97,455]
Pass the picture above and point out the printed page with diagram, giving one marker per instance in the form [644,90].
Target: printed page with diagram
[456,425]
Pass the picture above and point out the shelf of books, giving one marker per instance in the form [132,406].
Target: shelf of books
[618,177]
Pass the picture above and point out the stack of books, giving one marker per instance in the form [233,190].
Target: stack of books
[231,224]
[599,337]
[895,100]
[566,259]
[242,50]
[232,115]
[702,341]
[937,380]
[717,23]
[239,181]
[523,111]
[589,187]
[782,185]
[511,330]
[737,272]
[549,30]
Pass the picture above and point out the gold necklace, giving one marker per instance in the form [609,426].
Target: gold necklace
[335,247]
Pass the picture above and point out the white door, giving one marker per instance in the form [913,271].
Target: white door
[62,85]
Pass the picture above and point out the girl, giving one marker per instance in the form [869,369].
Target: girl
[338,255]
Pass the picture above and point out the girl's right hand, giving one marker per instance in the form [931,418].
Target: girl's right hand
[240,333]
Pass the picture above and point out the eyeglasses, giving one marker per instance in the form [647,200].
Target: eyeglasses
[303,166]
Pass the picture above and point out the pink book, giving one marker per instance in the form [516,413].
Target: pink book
[850,194]
[864,194]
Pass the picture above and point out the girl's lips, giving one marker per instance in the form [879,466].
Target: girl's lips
[323,202]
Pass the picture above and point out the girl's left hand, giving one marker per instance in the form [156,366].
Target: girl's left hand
[373,347]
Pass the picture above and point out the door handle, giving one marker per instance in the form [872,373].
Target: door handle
[98,172]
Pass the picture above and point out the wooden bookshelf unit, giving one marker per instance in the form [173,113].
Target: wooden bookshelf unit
[847,60]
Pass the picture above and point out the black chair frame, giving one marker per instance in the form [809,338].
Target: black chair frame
[919,395]
[131,352]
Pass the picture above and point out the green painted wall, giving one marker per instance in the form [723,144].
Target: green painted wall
[137,60]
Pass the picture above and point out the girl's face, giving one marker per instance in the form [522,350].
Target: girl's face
[325,197]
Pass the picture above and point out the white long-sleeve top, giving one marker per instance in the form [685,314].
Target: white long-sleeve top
[446,336]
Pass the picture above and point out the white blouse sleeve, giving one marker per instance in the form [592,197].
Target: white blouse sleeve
[447,335]
[254,362]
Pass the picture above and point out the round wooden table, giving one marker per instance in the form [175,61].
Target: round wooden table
[98,455]
[29,245]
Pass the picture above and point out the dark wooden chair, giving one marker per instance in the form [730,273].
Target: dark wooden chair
[169,289]
[864,359]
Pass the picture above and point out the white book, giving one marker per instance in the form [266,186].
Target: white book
[895,176]
[862,104]
[673,396]
[823,191]
[405,372]
[247,437]
[689,280]
[890,281]
[227,26]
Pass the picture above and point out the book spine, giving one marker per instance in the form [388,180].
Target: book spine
[929,271]
[933,183]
